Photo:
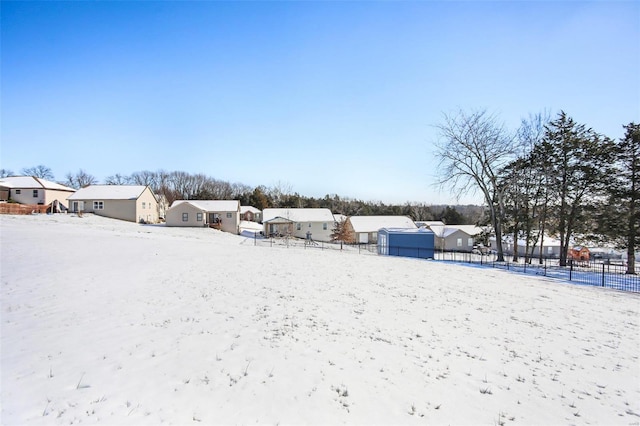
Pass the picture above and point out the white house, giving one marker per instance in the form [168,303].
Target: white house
[364,229]
[134,203]
[32,190]
[220,214]
[317,223]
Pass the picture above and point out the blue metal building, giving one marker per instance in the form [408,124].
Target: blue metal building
[406,242]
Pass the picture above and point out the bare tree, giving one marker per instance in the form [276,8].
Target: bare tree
[80,179]
[280,193]
[524,183]
[145,177]
[117,179]
[472,150]
[6,173]
[38,171]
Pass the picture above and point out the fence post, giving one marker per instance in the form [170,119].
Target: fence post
[603,275]
[570,269]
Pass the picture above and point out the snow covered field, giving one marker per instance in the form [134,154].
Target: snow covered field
[110,322]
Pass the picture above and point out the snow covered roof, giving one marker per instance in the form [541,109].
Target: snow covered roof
[373,223]
[430,223]
[108,192]
[408,230]
[299,215]
[340,217]
[30,182]
[245,209]
[443,231]
[467,229]
[211,205]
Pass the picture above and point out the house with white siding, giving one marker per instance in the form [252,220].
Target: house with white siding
[316,223]
[133,203]
[364,229]
[219,214]
[32,190]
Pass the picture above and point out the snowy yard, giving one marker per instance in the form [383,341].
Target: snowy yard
[105,321]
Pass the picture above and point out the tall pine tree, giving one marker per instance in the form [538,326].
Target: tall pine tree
[578,160]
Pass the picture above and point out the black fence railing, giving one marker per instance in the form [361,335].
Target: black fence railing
[609,274]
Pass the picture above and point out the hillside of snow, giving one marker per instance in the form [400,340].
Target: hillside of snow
[104,321]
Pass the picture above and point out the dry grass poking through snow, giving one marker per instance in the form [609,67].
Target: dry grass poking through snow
[110,322]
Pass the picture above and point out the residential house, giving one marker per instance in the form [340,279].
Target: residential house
[314,223]
[454,237]
[551,247]
[134,203]
[33,190]
[250,214]
[579,253]
[364,229]
[219,214]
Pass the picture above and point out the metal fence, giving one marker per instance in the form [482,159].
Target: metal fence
[608,274]
[601,274]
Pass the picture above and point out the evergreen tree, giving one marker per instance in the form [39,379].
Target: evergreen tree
[619,218]
[578,163]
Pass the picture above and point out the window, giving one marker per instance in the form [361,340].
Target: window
[185,217]
[470,242]
[18,191]
[35,193]
[144,205]
[199,217]
[298,226]
[459,242]
[229,215]
[324,226]
[98,205]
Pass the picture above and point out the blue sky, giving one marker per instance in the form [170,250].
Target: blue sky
[324,97]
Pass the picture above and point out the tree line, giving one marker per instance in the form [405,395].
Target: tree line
[550,177]
[179,185]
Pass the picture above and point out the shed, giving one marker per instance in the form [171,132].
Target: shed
[406,242]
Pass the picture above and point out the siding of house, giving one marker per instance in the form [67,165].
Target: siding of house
[116,209]
[318,233]
[229,224]
[459,241]
[175,215]
[44,196]
[129,209]
[147,207]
